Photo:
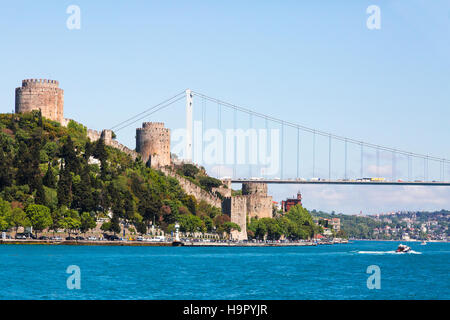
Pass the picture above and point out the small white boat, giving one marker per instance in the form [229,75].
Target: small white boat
[424,243]
[403,249]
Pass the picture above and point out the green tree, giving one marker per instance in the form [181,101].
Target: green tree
[106,226]
[208,183]
[141,227]
[87,222]
[303,220]
[101,154]
[82,192]
[39,216]
[189,170]
[71,224]
[68,153]
[4,225]
[190,223]
[115,224]
[49,179]
[19,219]
[40,191]
[6,176]
[57,218]
[64,188]
[228,227]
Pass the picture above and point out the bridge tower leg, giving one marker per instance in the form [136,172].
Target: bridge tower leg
[189,109]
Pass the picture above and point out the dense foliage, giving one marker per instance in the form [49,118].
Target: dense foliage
[198,176]
[55,177]
[294,225]
[351,225]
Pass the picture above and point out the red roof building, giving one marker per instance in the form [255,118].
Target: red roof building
[286,205]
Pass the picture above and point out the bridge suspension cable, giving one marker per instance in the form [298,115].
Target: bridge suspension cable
[147,113]
[363,144]
[144,114]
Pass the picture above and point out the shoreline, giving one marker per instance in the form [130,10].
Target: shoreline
[184,244]
[158,244]
[400,240]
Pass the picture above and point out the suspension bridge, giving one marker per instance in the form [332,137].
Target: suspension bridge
[240,144]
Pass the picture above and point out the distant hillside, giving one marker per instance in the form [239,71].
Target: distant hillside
[416,225]
[351,225]
[54,177]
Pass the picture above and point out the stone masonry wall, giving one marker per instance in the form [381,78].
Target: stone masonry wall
[259,204]
[193,189]
[106,135]
[41,94]
[153,143]
[236,208]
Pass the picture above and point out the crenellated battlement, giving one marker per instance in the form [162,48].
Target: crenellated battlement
[41,94]
[40,83]
[153,143]
[153,125]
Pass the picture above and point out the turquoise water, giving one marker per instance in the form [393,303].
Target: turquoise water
[323,272]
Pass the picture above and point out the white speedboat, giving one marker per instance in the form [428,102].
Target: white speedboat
[402,248]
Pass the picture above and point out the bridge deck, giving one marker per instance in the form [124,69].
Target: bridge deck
[378,183]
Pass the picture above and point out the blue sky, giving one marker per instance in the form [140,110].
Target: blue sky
[312,62]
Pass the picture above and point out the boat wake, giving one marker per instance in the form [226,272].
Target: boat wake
[388,252]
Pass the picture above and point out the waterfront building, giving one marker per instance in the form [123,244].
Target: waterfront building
[336,224]
[288,203]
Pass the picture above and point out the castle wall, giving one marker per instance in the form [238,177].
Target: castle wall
[252,188]
[225,192]
[153,143]
[106,135]
[41,94]
[193,189]
[259,204]
[236,208]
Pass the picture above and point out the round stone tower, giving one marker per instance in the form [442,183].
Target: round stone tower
[254,188]
[153,143]
[41,94]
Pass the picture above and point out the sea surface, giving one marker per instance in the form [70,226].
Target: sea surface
[322,272]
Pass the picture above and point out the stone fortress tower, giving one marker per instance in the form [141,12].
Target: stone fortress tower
[41,94]
[153,143]
[253,203]
[259,204]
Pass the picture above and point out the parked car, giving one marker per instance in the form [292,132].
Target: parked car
[25,235]
[43,238]
[70,238]
[80,238]
[58,238]
[91,238]
[110,237]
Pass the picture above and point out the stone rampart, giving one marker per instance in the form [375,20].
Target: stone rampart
[194,190]
[41,94]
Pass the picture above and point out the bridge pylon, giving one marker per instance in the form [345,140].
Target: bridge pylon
[189,112]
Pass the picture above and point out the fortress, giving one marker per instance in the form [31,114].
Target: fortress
[153,146]
[152,140]
[253,203]
[41,94]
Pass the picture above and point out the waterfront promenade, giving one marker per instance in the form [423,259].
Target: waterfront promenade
[163,243]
